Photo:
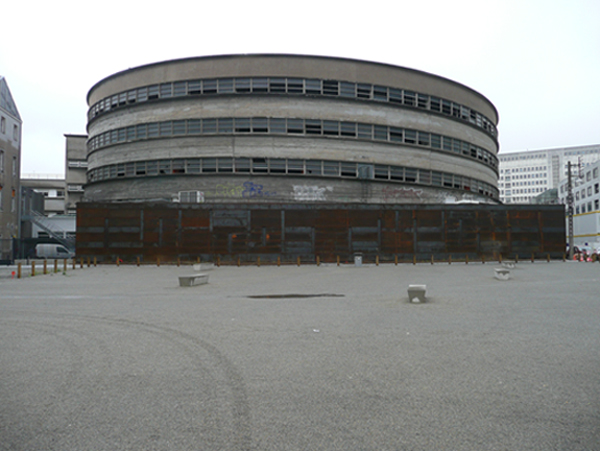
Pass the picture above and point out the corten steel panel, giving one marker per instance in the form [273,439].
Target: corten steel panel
[289,231]
[193,218]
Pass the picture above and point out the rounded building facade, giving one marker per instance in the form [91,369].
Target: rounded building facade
[288,129]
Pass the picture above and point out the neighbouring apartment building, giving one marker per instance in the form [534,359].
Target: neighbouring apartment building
[586,204]
[10,161]
[526,174]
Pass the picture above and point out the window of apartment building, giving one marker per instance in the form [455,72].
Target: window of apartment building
[597,204]
[1,161]
[595,173]
[588,176]
[589,191]
[14,167]
[596,188]
[0,197]
[3,124]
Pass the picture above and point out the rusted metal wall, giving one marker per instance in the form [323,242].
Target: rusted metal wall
[232,232]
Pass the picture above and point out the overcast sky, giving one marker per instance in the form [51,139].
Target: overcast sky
[538,61]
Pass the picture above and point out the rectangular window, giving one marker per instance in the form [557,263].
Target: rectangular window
[225,164]
[209,165]
[295,166]
[225,85]
[260,85]
[331,128]
[277,85]
[446,107]
[395,95]
[259,165]
[435,104]
[410,175]
[365,131]
[242,85]
[363,91]
[242,165]
[436,178]
[14,166]
[142,94]
[166,90]
[424,176]
[152,167]
[396,134]
[209,126]
[422,101]
[277,125]
[276,166]
[348,129]
[423,139]
[295,126]
[209,86]
[331,168]
[192,166]
[380,132]
[295,86]
[164,167]
[410,136]
[330,87]
[313,86]
[165,128]
[397,173]
[314,167]
[348,169]
[131,133]
[225,125]
[313,127]
[194,126]
[382,172]
[380,93]
[140,168]
[347,89]
[436,141]
[260,125]
[153,130]
[195,87]
[409,98]
[179,88]
[242,125]
[178,166]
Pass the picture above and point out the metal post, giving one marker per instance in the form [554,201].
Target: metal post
[570,211]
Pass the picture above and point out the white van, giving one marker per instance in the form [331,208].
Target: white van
[52,251]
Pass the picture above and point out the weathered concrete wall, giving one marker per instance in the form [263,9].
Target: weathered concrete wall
[274,189]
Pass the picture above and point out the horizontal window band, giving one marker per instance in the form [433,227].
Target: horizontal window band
[293,86]
[291,127]
[288,166]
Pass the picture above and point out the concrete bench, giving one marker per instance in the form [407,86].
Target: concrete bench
[502,273]
[204,266]
[193,279]
[416,293]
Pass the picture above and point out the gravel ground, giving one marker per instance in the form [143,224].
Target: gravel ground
[310,358]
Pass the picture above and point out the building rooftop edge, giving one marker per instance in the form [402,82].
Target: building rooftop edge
[291,55]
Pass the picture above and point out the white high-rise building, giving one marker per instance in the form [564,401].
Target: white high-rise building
[526,174]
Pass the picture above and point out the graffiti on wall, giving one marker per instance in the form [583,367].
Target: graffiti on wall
[245,190]
[252,189]
[310,193]
[392,194]
[228,190]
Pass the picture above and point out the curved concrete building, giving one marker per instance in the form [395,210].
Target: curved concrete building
[288,128]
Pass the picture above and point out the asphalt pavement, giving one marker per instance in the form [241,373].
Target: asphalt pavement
[302,358]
